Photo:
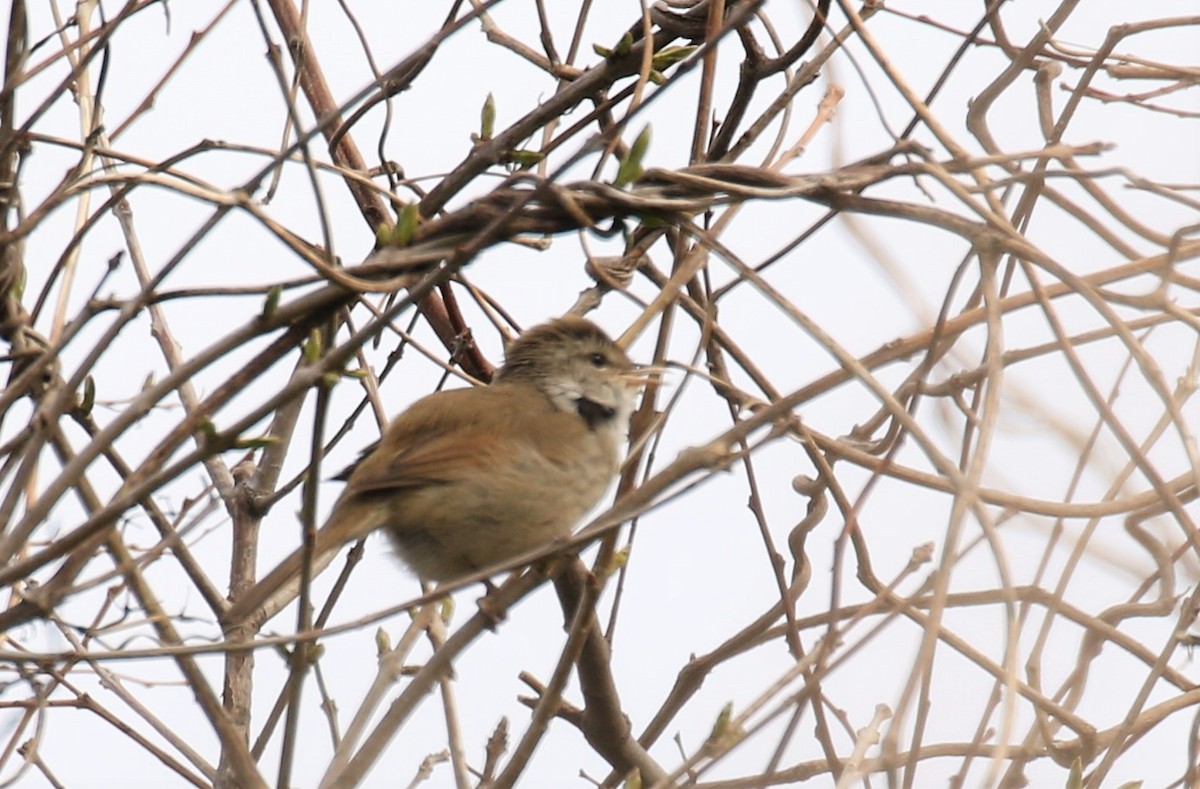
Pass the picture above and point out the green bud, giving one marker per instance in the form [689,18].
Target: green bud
[406,225]
[208,431]
[18,287]
[631,167]
[312,347]
[89,396]
[487,118]
[1075,776]
[272,302]
[383,642]
[383,234]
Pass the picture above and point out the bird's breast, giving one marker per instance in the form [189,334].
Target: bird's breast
[514,502]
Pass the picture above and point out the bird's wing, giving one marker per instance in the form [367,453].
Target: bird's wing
[441,438]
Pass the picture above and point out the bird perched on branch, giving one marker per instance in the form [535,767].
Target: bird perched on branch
[469,478]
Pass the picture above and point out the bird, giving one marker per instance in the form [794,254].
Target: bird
[465,479]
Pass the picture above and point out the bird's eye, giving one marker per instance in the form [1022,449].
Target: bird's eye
[597,360]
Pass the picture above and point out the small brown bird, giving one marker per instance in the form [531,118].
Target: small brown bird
[469,478]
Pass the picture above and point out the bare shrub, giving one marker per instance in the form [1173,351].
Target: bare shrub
[914,502]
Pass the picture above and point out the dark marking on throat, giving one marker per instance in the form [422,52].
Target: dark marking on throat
[595,414]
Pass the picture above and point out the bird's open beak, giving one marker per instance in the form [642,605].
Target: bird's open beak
[643,374]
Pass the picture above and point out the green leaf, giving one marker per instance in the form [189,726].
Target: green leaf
[524,158]
[669,56]
[623,47]
[262,442]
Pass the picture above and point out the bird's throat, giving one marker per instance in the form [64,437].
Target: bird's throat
[595,414]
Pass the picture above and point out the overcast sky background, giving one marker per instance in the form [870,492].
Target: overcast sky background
[698,571]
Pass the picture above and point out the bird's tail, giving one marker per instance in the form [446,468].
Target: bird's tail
[281,586]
